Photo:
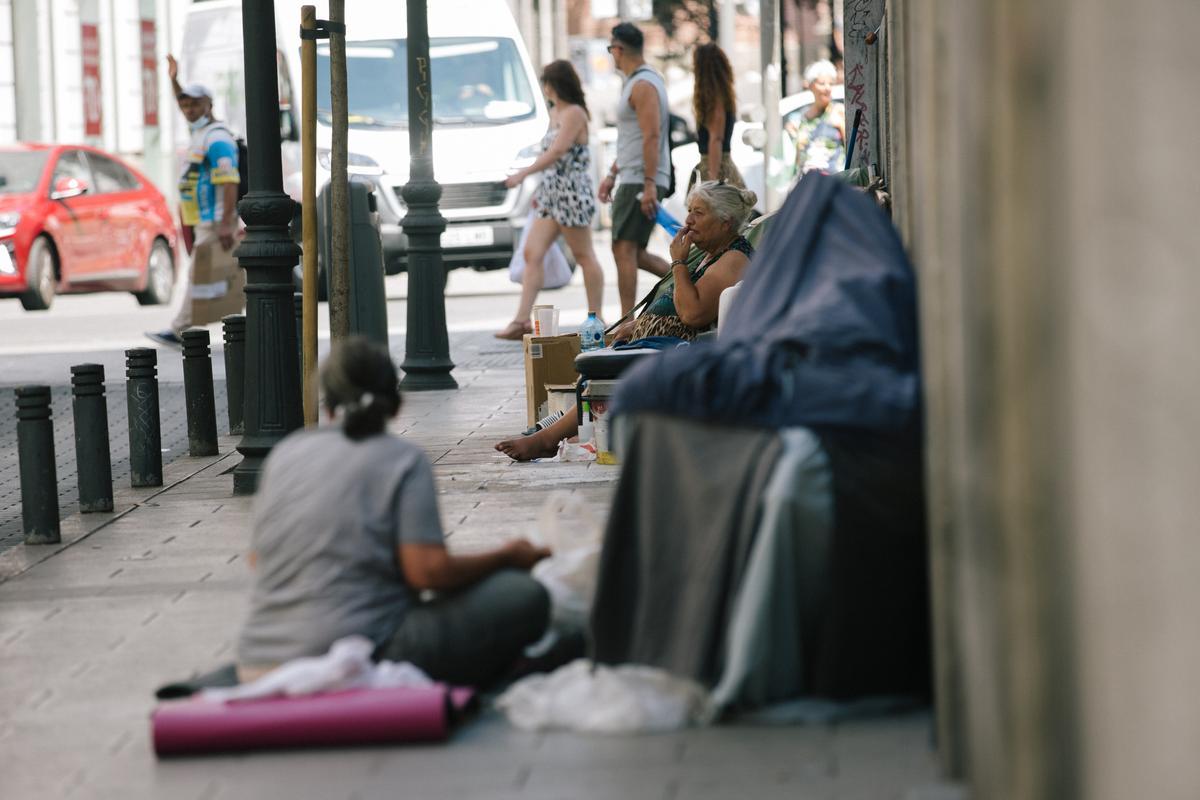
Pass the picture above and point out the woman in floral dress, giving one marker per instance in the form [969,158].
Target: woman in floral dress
[565,200]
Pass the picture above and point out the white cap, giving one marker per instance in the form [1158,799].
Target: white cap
[196,90]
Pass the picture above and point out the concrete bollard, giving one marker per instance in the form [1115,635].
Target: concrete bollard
[93,457]
[145,434]
[198,391]
[35,453]
[235,370]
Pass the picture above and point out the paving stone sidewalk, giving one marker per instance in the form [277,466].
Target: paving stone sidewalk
[156,590]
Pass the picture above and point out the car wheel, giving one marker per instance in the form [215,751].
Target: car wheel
[160,276]
[41,276]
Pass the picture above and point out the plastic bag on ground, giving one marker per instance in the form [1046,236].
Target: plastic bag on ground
[592,698]
[574,535]
[347,665]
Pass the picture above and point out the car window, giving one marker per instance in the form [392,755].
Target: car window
[110,176]
[20,171]
[71,165]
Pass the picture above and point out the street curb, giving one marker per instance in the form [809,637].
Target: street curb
[20,558]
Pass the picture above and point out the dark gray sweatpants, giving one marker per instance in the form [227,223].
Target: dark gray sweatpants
[473,637]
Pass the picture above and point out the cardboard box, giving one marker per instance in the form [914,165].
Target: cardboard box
[218,284]
[548,360]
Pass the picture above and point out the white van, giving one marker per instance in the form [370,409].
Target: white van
[488,109]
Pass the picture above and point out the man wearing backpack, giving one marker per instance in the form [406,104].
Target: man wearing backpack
[641,175]
[208,195]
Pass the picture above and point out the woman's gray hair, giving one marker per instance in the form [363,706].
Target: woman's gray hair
[820,69]
[731,204]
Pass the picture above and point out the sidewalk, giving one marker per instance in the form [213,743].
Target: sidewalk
[156,590]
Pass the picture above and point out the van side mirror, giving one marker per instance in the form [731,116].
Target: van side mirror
[679,132]
[66,188]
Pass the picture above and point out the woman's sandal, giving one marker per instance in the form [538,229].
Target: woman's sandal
[515,331]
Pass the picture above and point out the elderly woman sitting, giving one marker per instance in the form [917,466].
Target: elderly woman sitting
[685,303]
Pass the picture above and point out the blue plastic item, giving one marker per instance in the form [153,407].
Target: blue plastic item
[591,334]
[669,223]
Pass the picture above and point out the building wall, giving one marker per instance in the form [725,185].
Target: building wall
[1040,162]
[8,87]
[42,84]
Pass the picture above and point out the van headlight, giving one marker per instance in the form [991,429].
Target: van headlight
[356,163]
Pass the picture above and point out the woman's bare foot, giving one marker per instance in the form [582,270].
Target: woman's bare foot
[527,448]
[515,331]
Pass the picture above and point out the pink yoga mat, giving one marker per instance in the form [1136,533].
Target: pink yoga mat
[359,716]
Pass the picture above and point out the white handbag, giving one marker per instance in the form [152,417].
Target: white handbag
[557,269]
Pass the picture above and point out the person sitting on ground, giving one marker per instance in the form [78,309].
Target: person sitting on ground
[347,536]
[682,305]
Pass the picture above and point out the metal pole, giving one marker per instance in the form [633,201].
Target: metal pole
[268,254]
[308,206]
[93,456]
[427,361]
[35,453]
[198,391]
[145,435]
[339,269]
[235,371]
[769,33]
[727,22]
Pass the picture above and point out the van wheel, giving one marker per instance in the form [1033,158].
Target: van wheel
[41,276]
[160,276]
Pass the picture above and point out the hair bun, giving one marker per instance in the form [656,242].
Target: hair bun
[749,198]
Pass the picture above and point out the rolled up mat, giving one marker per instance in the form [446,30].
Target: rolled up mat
[358,716]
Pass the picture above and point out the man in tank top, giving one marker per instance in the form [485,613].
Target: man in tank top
[641,173]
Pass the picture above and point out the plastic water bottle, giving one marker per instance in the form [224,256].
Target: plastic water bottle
[591,335]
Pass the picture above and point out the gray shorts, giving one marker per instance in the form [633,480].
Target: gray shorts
[629,224]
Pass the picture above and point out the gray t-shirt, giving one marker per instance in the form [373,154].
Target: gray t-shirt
[328,517]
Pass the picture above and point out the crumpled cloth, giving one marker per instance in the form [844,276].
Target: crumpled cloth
[592,698]
[347,665]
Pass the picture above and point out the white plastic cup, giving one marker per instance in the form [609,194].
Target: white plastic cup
[545,321]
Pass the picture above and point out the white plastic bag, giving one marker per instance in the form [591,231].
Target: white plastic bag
[573,535]
[347,665]
[596,699]
[557,270]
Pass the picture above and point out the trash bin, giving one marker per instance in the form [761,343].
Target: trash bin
[366,295]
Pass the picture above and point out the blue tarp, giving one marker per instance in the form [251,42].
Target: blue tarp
[823,332]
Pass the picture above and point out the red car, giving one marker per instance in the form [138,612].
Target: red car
[75,219]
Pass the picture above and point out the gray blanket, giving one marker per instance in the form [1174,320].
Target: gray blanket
[677,543]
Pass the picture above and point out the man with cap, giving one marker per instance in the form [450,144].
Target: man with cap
[208,190]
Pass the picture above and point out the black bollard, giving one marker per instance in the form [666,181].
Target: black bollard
[93,457]
[298,302]
[145,435]
[35,453]
[235,370]
[198,390]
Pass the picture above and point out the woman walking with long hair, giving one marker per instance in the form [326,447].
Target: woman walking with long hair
[565,199]
[714,103]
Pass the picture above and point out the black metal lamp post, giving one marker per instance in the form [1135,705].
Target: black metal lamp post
[268,254]
[427,361]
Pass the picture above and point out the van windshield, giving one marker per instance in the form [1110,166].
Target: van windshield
[476,81]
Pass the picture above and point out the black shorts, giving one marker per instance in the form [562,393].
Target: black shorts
[629,224]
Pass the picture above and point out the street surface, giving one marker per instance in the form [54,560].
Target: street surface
[41,347]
